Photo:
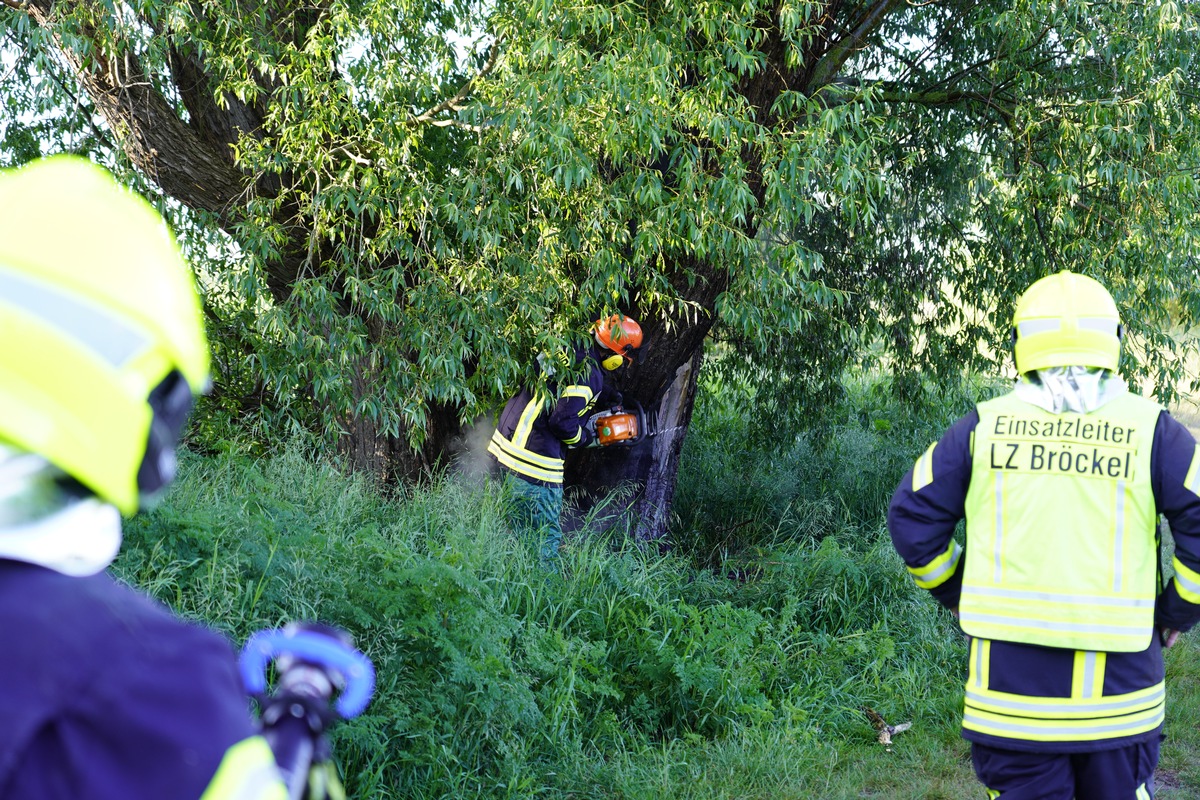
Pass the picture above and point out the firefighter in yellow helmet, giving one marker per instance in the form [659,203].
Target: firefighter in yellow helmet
[104,693]
[1061,482]
[533,433]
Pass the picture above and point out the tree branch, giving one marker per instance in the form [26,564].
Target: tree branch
[455,103]
[841,50]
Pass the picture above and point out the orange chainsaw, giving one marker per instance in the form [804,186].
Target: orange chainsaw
[616,426]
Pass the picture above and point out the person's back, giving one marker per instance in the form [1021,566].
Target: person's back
[1060,482]
[107,694]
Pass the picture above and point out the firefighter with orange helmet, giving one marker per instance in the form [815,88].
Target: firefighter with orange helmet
[535,430]
[1061,482]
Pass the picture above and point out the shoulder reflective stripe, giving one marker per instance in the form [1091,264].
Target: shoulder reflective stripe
[1101,324]
[1033,326]
[515,450]
[939,570]
[1119,537]
[584,392]
[111,338]
[923,469]
[1047,625]
[1191,481]
[1059,598]
[247,772]
[524,467]
[1187,581]
[525,424]
[998,553]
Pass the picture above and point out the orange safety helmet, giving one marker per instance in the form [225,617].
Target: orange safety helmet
[620,334]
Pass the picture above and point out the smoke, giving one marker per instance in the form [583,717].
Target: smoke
[468,450]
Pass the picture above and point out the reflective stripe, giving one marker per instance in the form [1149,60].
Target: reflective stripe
[1187,582]
[523,461]
[923,469]
[999,554]
[980,661]
[1119,538]
[1068,708]
[525,424]
[1142,793]
[1088,689]
[583,392]
[516,450]
[1058,598]
[1102,324]
[1191,481]
[247,772]
[110,337]
[1048,625]
[1087,678]
[1035,326]
[1063,729]
[940,569]
[574,439]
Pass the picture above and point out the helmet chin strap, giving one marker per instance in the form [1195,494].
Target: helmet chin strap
[44,522]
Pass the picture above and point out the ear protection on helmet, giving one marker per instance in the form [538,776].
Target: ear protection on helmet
[613,362]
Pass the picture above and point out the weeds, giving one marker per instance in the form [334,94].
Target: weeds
[734,667]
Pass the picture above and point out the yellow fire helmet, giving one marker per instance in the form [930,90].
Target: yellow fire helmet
[1064,320]
[103,339]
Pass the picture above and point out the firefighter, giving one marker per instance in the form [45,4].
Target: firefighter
[1061,482]
[534,431]
[104,693]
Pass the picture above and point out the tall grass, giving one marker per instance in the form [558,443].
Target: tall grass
[737,666]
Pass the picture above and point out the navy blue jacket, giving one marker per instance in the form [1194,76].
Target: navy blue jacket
[531,438]
[105,694]
[921,524]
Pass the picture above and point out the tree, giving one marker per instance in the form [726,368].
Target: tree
[426,195]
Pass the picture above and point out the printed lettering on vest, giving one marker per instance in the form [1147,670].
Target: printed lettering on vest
[1090,449]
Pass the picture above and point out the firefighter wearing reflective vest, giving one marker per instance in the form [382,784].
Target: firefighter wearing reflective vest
[104,693]
[1061,482]
[535,429]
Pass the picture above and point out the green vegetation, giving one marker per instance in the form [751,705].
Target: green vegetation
[735,667]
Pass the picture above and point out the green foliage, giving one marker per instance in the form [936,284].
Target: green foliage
[626,654]
[434,193]
[711,673]
[748,481]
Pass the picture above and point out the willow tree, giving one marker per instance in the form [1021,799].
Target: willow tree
[426,195]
